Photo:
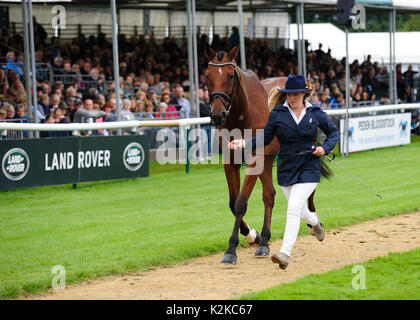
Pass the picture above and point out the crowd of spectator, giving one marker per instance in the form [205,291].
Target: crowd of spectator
[154,78]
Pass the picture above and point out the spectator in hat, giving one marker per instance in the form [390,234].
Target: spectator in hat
[151,96]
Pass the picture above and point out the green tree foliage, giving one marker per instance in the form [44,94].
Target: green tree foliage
[412,24]
[374,22]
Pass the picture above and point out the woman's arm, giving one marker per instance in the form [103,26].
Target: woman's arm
[269,132]
[330,130]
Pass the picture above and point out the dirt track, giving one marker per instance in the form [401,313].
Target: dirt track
[206,278]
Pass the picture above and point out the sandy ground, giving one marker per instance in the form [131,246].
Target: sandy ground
[206,278]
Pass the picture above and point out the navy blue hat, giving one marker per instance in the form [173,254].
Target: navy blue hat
[295,84]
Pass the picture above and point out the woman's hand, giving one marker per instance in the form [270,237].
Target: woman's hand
[319,152]
[235,144]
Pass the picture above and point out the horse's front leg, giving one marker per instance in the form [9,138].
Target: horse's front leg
[239,212]
[268,198]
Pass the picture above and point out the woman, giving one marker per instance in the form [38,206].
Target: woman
[295,121]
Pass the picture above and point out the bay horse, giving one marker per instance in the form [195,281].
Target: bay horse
[239,100]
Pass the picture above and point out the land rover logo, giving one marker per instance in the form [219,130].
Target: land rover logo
[15,164]
[133,156]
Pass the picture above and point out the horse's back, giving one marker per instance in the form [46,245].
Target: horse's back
[270,83]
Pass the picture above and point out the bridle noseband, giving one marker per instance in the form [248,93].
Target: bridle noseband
[226,99]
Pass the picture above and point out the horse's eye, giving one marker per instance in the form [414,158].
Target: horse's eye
[231,77]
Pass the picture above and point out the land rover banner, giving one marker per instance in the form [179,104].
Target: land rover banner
[53,161]
[377,131]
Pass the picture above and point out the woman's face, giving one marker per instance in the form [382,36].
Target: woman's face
[166,98]
[295,99]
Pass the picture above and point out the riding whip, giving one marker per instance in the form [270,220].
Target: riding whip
[350,174]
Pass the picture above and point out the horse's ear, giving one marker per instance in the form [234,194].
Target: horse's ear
[233,52]
[210,53]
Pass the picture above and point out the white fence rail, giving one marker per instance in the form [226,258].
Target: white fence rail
[101,125]
[168,123]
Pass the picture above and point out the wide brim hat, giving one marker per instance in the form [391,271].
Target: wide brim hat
[295,84]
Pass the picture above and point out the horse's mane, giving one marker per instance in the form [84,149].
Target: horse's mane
[276,97]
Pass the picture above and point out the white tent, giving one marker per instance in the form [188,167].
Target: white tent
[361,43]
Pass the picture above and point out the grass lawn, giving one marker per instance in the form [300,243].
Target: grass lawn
[394,277]
[113,227]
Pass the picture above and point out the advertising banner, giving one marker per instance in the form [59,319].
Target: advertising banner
[53,161]
[377,131]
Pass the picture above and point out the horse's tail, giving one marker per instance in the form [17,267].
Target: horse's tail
[325,169]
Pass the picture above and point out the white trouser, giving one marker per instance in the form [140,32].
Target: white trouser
[297,196]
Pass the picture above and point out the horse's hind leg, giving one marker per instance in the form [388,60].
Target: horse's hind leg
[268,198]
[311,207]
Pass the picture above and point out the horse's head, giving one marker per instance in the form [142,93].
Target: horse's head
[222,80]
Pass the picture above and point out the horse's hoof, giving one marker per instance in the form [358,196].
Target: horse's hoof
[253,237]
[262,251]
[229,258]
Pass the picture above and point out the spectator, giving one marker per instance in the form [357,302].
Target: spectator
[179,99]
[60,118]
[151,96]
[408,77]
[110,116]
[149,111]
[45,104]
[85,111]
[161,113]
[172,112]
[10,112]
[55,101]
[2,114]
[234,37]
[126,113]
[39,34]
[365,101]
[49,134]
[369,81]
[58,68]
[339,104]
[139,109]
[12,64]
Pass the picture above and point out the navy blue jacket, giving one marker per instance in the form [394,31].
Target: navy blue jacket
[296,138]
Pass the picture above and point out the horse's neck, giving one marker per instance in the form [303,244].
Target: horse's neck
[248,105]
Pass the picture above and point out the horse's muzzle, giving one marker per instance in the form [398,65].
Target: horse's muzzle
[218,119]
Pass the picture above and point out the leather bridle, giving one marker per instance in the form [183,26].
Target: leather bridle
[226,99]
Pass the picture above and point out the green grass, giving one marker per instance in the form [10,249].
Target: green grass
[394,277]
[114,227]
